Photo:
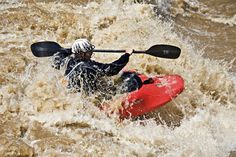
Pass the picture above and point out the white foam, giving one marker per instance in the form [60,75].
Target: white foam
[225,20]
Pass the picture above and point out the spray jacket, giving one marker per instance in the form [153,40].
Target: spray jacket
[86,74]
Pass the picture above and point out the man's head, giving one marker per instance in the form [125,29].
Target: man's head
[83,49]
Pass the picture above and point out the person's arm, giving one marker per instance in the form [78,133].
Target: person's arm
[59,59]
[116,66]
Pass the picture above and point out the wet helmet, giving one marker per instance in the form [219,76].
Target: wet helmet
[82,45]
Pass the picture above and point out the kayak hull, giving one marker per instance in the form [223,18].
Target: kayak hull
[151,96]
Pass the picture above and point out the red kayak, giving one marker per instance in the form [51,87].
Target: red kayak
[152,95]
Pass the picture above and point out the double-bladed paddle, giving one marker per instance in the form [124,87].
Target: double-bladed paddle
[48,48]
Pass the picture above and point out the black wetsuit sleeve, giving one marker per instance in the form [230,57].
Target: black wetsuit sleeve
[114,67]
[59,59]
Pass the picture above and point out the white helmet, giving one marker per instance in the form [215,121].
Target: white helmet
[82,45]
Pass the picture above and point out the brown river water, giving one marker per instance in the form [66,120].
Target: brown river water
[39,117]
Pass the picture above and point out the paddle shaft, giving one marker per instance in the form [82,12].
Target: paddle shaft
[111,51]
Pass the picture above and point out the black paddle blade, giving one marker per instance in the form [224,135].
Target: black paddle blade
[164,51]
[45,48]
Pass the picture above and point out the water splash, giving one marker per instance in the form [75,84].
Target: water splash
[46,120]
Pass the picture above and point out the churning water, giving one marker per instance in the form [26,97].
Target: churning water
[38,117]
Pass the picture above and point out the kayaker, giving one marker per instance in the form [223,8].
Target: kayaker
[86,75]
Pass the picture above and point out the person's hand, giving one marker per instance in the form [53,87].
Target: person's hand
[129,51]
